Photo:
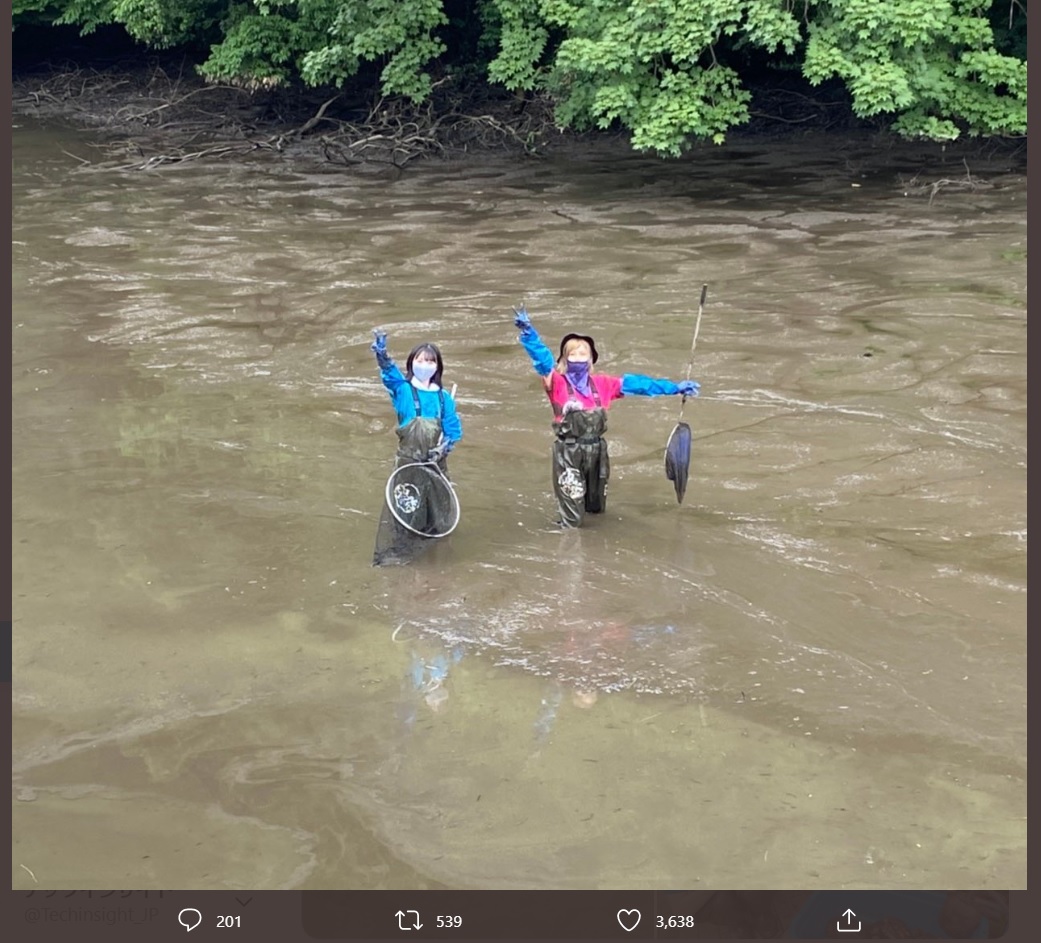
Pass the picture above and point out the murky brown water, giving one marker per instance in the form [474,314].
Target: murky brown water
[810,674]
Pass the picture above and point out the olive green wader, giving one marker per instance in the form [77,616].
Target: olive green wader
[581,465]
[421,500]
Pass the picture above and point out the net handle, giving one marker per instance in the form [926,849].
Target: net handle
[694,343]
[451,488]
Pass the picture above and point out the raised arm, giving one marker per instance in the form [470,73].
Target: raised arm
[541,356]
[389,373]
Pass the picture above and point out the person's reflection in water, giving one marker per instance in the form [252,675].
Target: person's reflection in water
[581,695]
[428,674]
[576,641]
[426,681]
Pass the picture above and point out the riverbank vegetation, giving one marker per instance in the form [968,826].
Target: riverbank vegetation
[665,73]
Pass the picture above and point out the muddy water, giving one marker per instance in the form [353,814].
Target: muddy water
[810,674]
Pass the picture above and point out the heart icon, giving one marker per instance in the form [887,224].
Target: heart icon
[629,919]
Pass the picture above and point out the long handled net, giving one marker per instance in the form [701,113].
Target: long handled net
[423,500]
[420,507]
[677,449]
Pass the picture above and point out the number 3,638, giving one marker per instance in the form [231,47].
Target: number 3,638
[449,921]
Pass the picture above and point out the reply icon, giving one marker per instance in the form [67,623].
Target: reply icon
[189,918]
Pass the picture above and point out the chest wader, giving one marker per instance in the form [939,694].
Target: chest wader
[581,465]
[397,544]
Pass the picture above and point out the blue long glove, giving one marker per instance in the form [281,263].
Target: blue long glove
[379,348]
[541,356]
[635,384]
[522,320]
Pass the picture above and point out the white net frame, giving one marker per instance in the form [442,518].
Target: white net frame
[399,495]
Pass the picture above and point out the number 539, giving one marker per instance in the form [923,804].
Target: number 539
[449,921]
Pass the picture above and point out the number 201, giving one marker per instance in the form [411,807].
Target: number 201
[229,921]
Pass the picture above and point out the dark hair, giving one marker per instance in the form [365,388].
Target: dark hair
[434,352]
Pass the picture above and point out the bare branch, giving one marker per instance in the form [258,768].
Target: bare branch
[311,122]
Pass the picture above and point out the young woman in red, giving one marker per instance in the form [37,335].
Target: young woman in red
[580,399]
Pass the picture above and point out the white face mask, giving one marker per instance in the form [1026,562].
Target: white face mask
[423,371]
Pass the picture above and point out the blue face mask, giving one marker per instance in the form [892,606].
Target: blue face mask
[578,373]
[423,371]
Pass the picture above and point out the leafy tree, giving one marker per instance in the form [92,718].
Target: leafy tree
[34,12]
[669,71]
[266,42]
[158,23]
[930,63]
[658,67]
[398,32]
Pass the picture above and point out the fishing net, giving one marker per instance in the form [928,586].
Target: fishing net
[677,449]
[420,506]
[677,458]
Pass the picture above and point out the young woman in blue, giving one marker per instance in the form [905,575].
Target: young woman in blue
[418,395]
[428,429]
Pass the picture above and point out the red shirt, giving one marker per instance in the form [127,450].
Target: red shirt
[609,388]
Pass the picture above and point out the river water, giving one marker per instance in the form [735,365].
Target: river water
[809,674]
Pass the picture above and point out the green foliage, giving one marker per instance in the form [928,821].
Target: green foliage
[159,23]
[399,31]
[931,64]
[523,37]
[654,66]
[88,15]
[325,41]
[256,51]
[266,41]
[667,71]
[34,12]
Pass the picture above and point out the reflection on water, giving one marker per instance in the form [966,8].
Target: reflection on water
[810,674]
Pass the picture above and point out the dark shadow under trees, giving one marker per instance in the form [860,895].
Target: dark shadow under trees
[158,112]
